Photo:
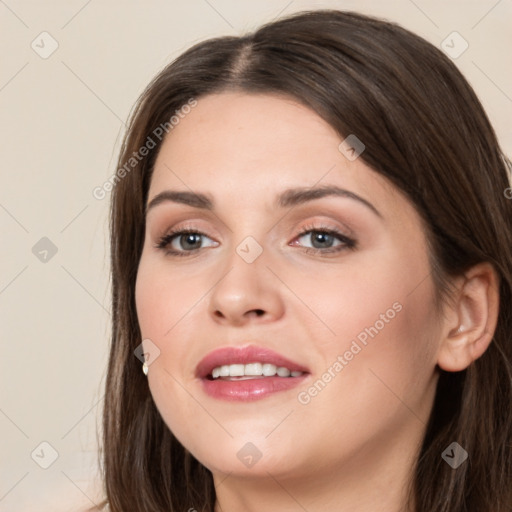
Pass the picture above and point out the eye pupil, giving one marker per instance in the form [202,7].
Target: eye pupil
[322,238]
[192,239]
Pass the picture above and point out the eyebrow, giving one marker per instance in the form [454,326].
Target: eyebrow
[287,198]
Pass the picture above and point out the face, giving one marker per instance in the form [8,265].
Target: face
[334,287]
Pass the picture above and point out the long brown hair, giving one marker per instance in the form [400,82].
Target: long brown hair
[424,130]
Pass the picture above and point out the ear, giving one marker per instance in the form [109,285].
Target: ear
[471,319]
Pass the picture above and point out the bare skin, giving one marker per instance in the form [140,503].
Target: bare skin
[350,445]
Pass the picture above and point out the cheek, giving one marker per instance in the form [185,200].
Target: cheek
[168,303]
[383,325]
[163,301]
[382,381]
[394,341]
[162,298]
[366,294]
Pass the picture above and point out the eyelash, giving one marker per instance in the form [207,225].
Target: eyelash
[347,243]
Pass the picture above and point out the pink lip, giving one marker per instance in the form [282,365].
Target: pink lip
[251,389]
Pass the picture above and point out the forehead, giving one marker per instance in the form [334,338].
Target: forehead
[244,147]
[236,127]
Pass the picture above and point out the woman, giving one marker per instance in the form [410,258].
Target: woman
[312,281]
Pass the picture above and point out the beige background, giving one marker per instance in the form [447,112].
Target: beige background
[62,118]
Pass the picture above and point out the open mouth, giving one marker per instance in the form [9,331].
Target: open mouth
[247,373]
[251,371]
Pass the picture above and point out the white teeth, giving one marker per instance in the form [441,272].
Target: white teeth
[269,370]
[283,372]
[236,370]
[253,370]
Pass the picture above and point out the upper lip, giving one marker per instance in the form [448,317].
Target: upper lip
[244,355]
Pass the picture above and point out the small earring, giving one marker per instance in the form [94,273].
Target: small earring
[145,368]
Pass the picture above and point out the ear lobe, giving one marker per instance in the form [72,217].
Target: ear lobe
[475,313]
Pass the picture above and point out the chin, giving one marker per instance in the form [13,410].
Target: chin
[249,460]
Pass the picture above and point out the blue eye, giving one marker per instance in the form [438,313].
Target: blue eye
[190,238]
[189,241]
[326,236]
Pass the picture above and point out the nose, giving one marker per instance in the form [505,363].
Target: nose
[246,292]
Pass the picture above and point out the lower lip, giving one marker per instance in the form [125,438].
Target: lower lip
[250,389]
